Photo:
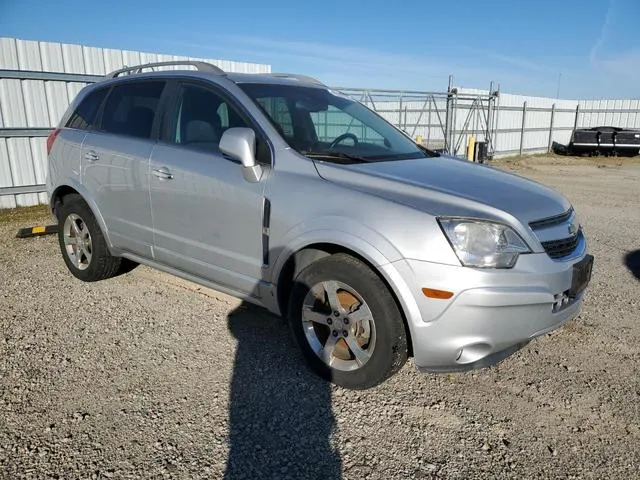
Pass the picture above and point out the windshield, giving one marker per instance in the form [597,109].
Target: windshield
[322,124]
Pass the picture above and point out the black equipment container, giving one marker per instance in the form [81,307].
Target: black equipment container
[605,141]
[481,153]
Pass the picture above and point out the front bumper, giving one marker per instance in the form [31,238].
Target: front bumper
[492,314]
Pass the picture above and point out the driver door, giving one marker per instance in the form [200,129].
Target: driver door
[207,218]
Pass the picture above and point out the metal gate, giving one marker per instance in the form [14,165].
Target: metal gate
[442,121]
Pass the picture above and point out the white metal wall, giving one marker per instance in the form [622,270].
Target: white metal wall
[519,123]
[619,113]
[40,104]
[537,120]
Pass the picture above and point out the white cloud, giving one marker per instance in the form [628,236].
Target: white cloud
[605,32]
[357,67]
[346,65]
[514,61]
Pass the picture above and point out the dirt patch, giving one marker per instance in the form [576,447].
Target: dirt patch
[531,162]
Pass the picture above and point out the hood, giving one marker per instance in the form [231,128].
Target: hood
[450,186]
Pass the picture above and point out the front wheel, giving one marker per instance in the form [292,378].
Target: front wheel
[347,323]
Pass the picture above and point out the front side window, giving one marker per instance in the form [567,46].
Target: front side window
[322,124]
[131,108]
[202,117]
[85,114]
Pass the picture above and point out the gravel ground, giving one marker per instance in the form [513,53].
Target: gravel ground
[150,376]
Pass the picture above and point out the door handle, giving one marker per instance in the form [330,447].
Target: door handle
[91,156]
[162,173]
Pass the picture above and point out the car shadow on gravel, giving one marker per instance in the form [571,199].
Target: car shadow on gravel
[632,261]
[281,419]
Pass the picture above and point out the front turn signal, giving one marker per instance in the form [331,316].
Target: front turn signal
[438,294]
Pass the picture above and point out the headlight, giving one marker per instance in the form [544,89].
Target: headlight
[484,244]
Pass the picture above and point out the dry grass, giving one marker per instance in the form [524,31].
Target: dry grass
[26,215]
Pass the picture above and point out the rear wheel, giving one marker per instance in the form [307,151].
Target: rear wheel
[83,245]
[347,323]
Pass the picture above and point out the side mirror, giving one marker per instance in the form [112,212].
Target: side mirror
[240,144]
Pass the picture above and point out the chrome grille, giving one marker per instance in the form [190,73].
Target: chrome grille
[563,247]
[551,221]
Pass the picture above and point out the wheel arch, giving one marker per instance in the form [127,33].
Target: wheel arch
[61,191]
[305,255]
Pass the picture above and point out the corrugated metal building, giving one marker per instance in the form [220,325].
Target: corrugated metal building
[29,108]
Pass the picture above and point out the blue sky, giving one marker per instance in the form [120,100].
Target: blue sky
[592,46]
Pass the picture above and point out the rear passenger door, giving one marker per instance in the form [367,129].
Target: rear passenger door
[207,218]
[115,162]
[69,163]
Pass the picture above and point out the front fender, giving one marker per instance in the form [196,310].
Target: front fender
[364,241]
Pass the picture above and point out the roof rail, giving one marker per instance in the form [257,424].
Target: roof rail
[200,66]
[304,78]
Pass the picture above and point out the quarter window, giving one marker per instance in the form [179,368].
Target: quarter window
[131,108]
[85,114]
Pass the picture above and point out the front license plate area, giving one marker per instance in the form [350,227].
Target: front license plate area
[581,276]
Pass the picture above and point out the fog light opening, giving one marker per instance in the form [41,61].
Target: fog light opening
[473,352]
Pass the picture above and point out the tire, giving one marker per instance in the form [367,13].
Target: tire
[368,323]
[88,260]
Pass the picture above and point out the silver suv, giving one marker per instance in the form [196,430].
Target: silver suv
[276,189]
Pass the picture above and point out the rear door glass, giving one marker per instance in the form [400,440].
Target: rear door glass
[131,108]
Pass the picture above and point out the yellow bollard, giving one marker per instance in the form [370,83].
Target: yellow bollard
[471,146]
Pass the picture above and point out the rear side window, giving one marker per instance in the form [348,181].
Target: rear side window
[85,114]
[131,108]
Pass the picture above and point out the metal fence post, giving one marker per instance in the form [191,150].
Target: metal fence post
[454,120]
[400,112]
[487,134]
[448,114]
[553,112]
[496,124]
[429,122]
[447,122]
[575,123]
[524,119]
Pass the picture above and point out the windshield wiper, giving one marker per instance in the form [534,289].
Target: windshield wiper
[428,151]
[336,155]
